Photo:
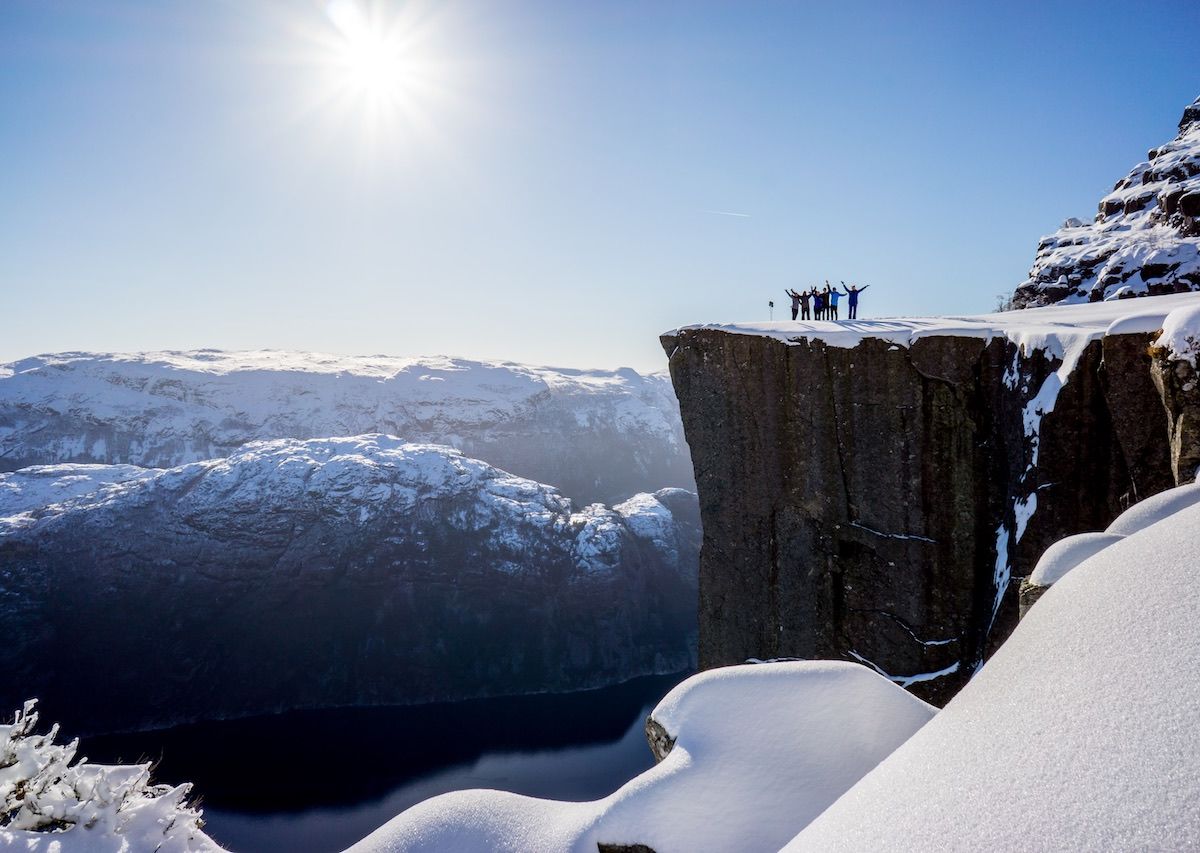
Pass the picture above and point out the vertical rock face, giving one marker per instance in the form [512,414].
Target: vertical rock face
[873,502]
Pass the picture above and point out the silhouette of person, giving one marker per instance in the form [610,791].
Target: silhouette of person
[853,292]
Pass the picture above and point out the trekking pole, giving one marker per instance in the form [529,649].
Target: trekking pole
[771,307]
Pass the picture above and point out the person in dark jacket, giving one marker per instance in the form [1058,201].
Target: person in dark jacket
[853,292]
[804,299]
[819,304]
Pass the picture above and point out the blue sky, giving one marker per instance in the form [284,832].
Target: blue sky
[546,185]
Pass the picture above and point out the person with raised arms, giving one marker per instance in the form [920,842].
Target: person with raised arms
[853,292]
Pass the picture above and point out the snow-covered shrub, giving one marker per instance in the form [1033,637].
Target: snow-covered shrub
[50,801]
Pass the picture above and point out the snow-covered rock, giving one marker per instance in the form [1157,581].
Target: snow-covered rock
[598,435]
[44,485]
[1066,554]
[1078,734]
[335,571]
[1145,240]
[758,752]
[50,802]
[1154,509]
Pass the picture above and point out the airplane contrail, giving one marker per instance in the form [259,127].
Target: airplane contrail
[727,213]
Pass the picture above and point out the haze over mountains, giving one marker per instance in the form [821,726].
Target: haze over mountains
[283,570]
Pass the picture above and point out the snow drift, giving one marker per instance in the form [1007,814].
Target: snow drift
[759,750]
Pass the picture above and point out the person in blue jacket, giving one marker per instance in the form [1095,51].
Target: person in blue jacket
[833,294]
[853,292]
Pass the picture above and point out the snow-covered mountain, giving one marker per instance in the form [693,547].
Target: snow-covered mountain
[1145,239]
[597,435]
[327,572]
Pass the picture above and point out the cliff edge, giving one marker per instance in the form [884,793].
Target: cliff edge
[869,490]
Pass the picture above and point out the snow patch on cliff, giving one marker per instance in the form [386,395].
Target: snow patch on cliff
[1181,334]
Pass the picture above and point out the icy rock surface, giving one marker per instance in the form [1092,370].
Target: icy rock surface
[1145,239]
[759,751]
[598,435]
[336,571]
[1078,734]
[50,802]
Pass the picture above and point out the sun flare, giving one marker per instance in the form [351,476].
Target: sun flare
[381,74]
[372,61]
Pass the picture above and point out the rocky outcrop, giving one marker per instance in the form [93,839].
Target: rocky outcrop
[1178,383]
[660,740]
[1145,239]
[596,435]
[328,572]
[874,501]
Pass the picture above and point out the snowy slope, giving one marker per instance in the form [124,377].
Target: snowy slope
[1144,240]
[597,435]
[43,485]
[759,751]
[336,571]
[1079,734]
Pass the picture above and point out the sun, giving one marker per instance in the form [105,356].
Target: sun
[371,60]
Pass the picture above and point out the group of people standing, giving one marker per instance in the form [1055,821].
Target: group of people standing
[824,302]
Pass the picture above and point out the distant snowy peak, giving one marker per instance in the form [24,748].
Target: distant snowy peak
[354,481]
[596,434]
[1145,239]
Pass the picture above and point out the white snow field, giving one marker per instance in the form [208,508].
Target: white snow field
[760,750]
[1078,734]
[48,803]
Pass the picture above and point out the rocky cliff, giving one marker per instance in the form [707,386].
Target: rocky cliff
[1144,239]
[869,490]
[360,570]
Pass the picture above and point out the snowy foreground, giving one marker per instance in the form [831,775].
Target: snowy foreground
[49,801]
[1079,733]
